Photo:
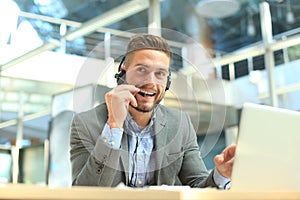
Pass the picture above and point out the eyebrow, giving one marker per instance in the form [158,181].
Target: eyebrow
[163,68]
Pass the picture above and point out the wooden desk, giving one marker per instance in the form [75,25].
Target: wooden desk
[88,193]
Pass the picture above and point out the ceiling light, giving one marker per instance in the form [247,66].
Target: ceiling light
[255,77]
[289,14]
[251,31]
[290,17]
[217,8]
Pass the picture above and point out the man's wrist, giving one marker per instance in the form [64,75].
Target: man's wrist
[113,124]
[221,181]
[112,136]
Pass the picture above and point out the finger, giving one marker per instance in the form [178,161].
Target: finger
[231,149]
[129,92]
[229,152]
[125,96]
[230,162]
[122,93]
[131,88]
[133,101]
[219,159]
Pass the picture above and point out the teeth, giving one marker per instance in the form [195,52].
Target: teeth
[144,93]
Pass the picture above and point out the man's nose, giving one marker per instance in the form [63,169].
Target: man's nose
[150,78]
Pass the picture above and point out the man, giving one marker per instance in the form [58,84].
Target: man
[132,139]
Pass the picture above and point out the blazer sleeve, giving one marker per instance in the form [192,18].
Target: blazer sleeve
[93,162]
[193,170]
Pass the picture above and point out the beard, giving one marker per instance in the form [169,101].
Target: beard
[145,109]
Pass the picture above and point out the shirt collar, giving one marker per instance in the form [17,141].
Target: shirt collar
[131,125]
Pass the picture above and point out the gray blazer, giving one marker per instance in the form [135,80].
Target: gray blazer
[175,159]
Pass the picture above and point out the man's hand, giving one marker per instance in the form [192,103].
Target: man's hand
[117,101]
[224,161]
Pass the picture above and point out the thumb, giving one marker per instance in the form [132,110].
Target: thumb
[219,159]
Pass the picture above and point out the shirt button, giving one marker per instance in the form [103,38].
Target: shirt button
[112,143]
[140,182]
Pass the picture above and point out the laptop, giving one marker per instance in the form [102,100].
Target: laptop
[268,149]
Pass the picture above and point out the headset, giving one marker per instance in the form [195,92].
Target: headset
[121,75]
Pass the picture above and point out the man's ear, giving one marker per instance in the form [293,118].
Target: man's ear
[122,68]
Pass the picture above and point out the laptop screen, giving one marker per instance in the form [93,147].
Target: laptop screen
[268,146]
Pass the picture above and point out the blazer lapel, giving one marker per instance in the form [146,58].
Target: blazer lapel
[125,157]
[160,133]
[160,141]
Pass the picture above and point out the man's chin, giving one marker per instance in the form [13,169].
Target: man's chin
[144,109]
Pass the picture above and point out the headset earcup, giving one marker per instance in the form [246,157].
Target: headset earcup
[168,82]
[120,76]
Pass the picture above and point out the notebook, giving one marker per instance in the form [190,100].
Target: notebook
[268,149]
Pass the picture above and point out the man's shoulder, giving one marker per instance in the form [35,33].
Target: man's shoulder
[99,107]
[171,112]
[93,112]
[95,117]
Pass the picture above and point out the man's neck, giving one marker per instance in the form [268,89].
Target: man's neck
[142,119]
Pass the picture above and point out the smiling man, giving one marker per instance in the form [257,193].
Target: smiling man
[132,139]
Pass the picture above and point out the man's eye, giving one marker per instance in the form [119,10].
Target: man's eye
[161,74]
[141,69]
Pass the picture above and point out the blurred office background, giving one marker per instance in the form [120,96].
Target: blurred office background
[58,57]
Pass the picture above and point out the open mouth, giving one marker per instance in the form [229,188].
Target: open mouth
[144,93]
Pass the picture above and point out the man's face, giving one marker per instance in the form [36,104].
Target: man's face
[148,70]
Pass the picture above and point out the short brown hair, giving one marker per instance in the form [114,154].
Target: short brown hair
[147,41]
